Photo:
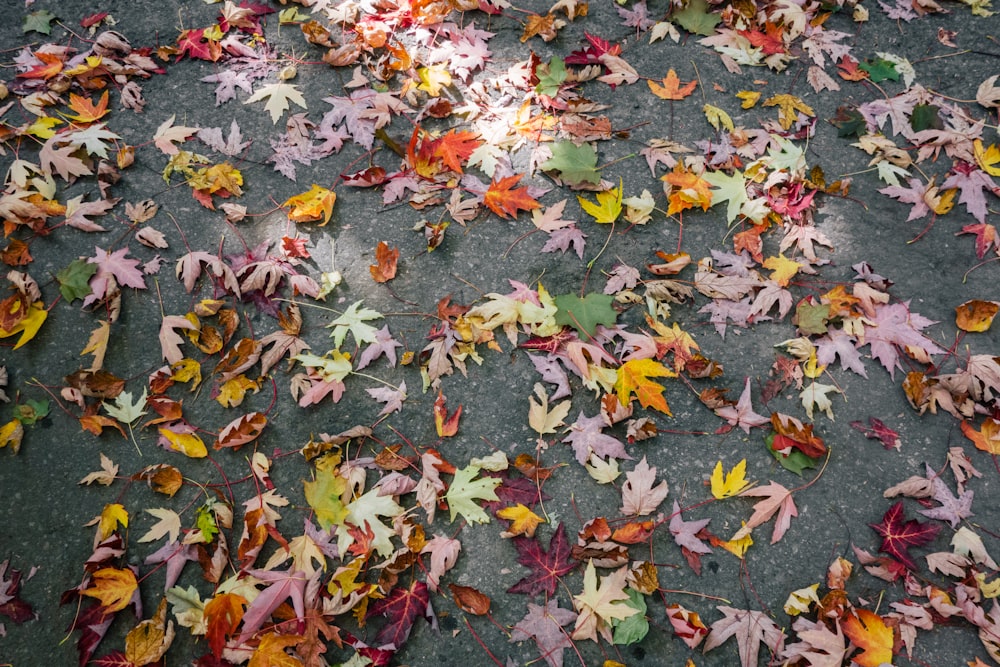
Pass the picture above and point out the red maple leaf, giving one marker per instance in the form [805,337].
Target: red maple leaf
[770,40]
[899,534]
[878,431]
[546,566]
[53,64]
[986,237]
[505,200]
[193,43]
[592,54]
[402,607]
[455,148]
[12,606]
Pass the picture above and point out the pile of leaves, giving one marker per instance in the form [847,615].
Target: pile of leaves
[376,527]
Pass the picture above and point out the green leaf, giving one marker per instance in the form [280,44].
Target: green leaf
[697,19]
[333,366]
[925,117]
[550,78]
[464,491]
[585,314]
[849,123]
[39,21]
[880,69]
[353,320]
[291,15]
[795,462]
[728,188]
[634,628]
[205,521]
[74,280]
[575,164]
[324,495]
[31,411]
[810,318]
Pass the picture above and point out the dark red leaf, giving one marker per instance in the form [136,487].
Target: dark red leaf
[546,567]
[402,607]
[899,534]
[877,430]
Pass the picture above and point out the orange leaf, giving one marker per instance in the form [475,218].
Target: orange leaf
[976,315]
[241,430]
[384,268]
[505,200]
[53,65]
[223,614]
[271,652]
[470,600]
[689,190]
[456,147]
[446,426]
[868,631]
[112,587]
[634,376]
[633,532]
[87,111]
[671,88]
[987,438]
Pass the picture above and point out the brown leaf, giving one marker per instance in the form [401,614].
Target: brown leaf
[148,641]
[386,258]
[470,600]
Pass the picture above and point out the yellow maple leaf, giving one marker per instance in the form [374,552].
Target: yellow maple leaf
[312,205]
[232,392]
[739,546]
[988,159]
[112,515]
[433,79]
[186,370]
[608,206]
[748,98]
[688,190]
[112,587]
[729,484]
[717,118]
[524,521]
[188,444]
[783,269]
[28,325]
[11,434]
[789,107]
[634,377]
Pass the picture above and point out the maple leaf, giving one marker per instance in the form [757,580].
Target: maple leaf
[51,65]
[149,640]
[688,190]
[776,500]
[815,396]
[899,534]
[170,340]
[599,605]
[464,490]
[585,436]
[241,430]
[11,604]
[686,532]
[751,629]
[639,495]
[608,206]
[386,258]
[167,134]
[124,271]
[742,413]
[729,484]
[403,606]
[868,631]
[445,425]
[540,418]
[634,377]
[547,567]
[877,429]
[281,585]
[671,89]
[953,509]
[584,314]
[576,164]
[354,320]
[312,205]
[544,625]
[114,588]
[523,520]
[505,200]
[86,110]
[278,97]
